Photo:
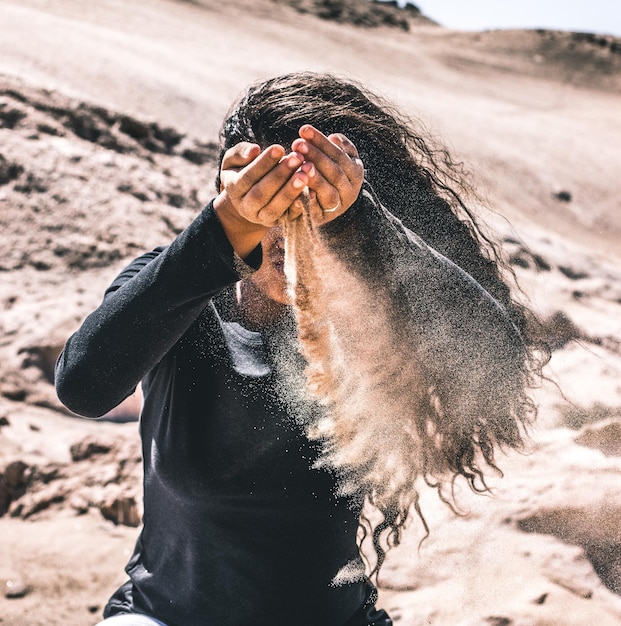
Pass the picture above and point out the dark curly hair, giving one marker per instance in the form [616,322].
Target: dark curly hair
[417,180]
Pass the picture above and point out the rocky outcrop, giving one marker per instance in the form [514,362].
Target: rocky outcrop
[66,230]
[103,474]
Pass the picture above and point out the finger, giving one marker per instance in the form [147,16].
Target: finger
[344,144]
[240,155]
[348,148]
[262,178]
[330,158]
[327,194]
[258,168]
[282,174]
[284,200]
[329,181]
[296,209]
[318,213]
[329,169]
[352,164]
[327,144]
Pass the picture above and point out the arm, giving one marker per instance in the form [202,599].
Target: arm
[144,313]
[158,297]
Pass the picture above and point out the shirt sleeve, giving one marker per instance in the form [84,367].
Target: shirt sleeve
[145,311]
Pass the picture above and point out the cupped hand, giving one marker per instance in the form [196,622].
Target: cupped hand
[261,186]
[335,172]
[258,190]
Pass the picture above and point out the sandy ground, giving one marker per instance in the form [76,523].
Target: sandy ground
[85,187]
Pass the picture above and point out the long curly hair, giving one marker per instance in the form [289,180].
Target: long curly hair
[417,180]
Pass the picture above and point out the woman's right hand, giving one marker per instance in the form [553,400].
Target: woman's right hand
[257,191]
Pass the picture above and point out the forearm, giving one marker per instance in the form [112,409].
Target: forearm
[144,313]
[244,236]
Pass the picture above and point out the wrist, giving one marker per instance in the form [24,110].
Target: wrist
[243,235]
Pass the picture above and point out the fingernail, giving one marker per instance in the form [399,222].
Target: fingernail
[298,183]
[295,160]
[276,152]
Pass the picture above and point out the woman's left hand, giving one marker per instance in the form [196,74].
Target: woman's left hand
[336,175]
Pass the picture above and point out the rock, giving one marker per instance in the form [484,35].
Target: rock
[79,503]
[13,481]
[102,474]
[42,357]
[9,171]
[563,196]
[121,508]
[604,436]
[572,273]
[595,530]
[577,417]
[90,446]
[16,588]
[559,329]
[39,499]
[15,474]
[5,497]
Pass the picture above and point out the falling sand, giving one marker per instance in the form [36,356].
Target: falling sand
[391,417]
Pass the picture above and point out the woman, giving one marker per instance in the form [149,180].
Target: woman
[242,525]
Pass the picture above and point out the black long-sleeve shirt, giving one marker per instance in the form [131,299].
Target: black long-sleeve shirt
[239,525]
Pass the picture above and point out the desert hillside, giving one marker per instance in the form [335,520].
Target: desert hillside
[109,114]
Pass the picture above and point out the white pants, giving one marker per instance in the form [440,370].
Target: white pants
[134,619]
